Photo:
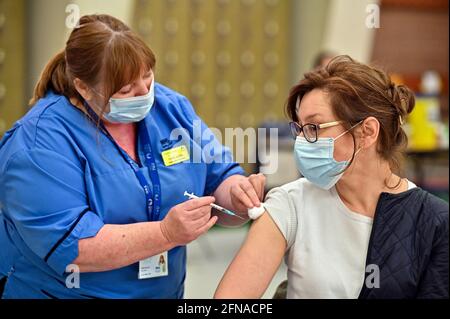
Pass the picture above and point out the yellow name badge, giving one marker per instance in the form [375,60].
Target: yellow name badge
[175,155]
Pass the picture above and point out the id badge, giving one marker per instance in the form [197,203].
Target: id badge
[175,155]
[155,266]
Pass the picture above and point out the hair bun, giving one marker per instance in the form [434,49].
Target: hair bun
[404,99]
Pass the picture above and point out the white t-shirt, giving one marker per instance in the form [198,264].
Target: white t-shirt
[327,243]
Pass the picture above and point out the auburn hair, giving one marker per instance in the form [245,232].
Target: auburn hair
[101,50]
[357,91]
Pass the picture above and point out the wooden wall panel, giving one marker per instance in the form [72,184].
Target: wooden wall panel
[411,41]
[229,57]
[12,62]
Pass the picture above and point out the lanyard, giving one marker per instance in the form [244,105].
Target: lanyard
[153,198]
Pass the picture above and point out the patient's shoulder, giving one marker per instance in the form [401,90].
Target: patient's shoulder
[294,190]
[284,204]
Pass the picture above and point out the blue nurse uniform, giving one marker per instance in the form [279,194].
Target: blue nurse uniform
[62,179]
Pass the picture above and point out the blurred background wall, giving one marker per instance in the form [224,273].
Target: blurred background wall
[237,59]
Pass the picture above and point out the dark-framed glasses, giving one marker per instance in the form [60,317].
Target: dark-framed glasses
[310,131]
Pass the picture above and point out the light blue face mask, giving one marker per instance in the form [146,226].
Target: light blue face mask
[316,162]
[131,109]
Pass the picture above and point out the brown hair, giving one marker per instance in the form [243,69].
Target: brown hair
[101,49]
[357,91]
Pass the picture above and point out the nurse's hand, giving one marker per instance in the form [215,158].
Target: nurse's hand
[187,221]
[247,192]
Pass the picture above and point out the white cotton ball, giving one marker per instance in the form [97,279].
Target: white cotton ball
[255,212]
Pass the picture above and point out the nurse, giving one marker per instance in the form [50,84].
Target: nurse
[92,177]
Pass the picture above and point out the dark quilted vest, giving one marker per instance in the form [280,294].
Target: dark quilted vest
[409,244]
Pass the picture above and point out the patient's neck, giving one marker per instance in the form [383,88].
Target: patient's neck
[360,187]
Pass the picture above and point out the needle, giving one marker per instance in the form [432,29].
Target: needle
[219,208]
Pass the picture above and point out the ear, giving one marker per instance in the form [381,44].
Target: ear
[369,130]
[83,89]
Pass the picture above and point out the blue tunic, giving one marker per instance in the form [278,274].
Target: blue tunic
[62,179]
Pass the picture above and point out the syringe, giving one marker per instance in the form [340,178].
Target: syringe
[219,208]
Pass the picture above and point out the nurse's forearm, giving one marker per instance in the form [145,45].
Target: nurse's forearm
[223,198]
[222,193]
[117,246]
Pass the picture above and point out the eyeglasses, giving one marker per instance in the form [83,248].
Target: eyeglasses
[310,131]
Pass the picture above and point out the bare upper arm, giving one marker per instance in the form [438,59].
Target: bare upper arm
[253,268]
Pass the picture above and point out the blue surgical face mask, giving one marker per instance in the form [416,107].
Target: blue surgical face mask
[316,162]
[131,109]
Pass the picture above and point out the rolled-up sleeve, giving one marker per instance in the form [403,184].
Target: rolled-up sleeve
[279,206]
[45,199]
